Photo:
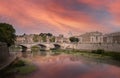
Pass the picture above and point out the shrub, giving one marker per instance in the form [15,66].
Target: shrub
[114,55]
[99,51]
[26,69]
[19,63]
[93,51]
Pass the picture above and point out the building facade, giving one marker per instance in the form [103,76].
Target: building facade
[91,37]
[24,39]
[61,39]
[112,38]
[87,38]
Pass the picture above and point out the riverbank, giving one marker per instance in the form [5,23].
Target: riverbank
[18,67]
[70,66]
[31,67]
[96,54]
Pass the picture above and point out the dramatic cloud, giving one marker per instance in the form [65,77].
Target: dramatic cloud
[113,8]
[61,16]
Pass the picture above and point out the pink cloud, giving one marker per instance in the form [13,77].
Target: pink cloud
[47,15]
[113,8]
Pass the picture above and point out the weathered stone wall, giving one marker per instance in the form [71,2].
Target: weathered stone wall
[4,52]
[106,47]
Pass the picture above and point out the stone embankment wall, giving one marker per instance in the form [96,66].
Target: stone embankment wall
[106,47]
[4,52]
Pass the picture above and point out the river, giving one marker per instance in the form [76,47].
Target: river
[70,66]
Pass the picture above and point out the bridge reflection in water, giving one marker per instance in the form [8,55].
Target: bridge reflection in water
[39,53]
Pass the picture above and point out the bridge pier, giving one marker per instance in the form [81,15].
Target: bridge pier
[28,49]
[24,49]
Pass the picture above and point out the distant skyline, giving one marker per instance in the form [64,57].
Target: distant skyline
[61,16]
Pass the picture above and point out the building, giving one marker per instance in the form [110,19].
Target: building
[32,38]
[20,39]
[66,40]
[112,38]
[91,37]
[24,39]
[61,39]
[29,38]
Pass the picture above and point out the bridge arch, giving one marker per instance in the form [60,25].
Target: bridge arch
[42,46]
[24,48]
[57,46]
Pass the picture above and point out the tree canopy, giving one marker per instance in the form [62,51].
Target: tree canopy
[46,34]
[36,38]
[7,34]
[74,39]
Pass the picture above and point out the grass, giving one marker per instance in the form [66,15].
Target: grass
[71,51]
[26,69]
[113,55]
[18,67]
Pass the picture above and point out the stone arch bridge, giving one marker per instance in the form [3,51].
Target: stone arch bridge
[45,46]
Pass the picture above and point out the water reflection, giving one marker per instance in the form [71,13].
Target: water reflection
[68,66]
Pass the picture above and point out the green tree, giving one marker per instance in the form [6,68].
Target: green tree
[44,38]
[74,39]
[7,34]
[36,38]
[52,39]
[45,35]
[41,34]
[49,34]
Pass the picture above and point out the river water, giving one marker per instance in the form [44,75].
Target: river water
[69,66]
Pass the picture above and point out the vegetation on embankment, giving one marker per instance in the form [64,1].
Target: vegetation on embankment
[17,67]
[100,54]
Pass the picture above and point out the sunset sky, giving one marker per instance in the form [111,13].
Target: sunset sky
[61,16]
